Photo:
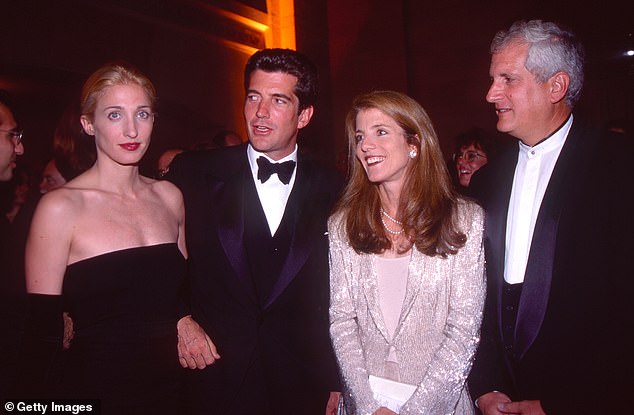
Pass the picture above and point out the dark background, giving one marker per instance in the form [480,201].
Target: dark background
[437,52]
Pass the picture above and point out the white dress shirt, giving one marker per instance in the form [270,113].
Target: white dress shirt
[273,194]
[534,167]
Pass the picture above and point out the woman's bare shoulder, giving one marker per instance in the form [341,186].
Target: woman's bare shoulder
[166,190]
[63,200]
[57,214]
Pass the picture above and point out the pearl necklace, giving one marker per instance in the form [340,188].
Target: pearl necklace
[390,231]
[391,218]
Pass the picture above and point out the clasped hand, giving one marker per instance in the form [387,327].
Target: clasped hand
[195,348]
[498,403]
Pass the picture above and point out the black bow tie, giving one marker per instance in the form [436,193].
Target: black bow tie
[266,169]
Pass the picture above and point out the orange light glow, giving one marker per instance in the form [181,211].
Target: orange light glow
[282,15]
[277,26]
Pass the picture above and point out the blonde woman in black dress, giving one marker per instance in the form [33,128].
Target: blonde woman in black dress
[109,248]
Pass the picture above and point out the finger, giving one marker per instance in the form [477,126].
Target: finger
[201,354]
[212,348]
[208,357]
[509,408]
[200,361]
[187,361]
[206,350]
[181,355]
[195,352]
[186,357]
[191,360]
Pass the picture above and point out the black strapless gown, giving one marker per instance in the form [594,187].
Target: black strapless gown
[125,306]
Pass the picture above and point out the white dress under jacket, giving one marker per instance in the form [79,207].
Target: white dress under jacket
[438,330]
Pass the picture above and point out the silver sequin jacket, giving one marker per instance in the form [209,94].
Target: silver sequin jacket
[438,330]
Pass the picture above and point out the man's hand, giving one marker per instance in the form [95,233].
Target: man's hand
[498,403]
[195,348]
[333,403]
[489,403]
[522,407]
[384,411]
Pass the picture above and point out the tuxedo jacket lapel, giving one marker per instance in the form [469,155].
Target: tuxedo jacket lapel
[304,227]
[495,231]
[537,279]
[539,269]
[230,196]
[302,213]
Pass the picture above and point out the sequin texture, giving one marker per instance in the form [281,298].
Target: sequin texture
[438,329]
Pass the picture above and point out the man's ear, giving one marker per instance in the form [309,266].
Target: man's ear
[304,117]
[559,83]
[87,125]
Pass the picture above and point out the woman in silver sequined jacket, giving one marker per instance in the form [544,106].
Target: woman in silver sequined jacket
[399,207]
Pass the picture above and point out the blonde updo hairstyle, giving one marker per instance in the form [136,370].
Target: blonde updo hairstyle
[111,74]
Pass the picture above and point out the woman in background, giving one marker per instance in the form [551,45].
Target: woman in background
[474,150]
[109,248]
[407,265]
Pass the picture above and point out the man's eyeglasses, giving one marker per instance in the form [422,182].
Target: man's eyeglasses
[16,135]
[468,156]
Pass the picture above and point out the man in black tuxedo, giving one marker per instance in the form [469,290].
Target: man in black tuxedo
[556,335]
[258,254]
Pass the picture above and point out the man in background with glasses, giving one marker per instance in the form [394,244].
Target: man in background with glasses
[10,306]
[10,142]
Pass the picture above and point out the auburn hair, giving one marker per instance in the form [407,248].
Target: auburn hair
[428,202]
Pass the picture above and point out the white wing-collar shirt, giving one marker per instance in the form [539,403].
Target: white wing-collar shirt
[532,173]
[273,194]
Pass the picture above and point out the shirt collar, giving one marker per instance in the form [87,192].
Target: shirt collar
[550,143]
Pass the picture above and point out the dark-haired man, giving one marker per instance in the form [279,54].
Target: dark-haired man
[258,254]
[10,290]
[10,142]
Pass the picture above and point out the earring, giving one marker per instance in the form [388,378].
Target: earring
[412,153]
